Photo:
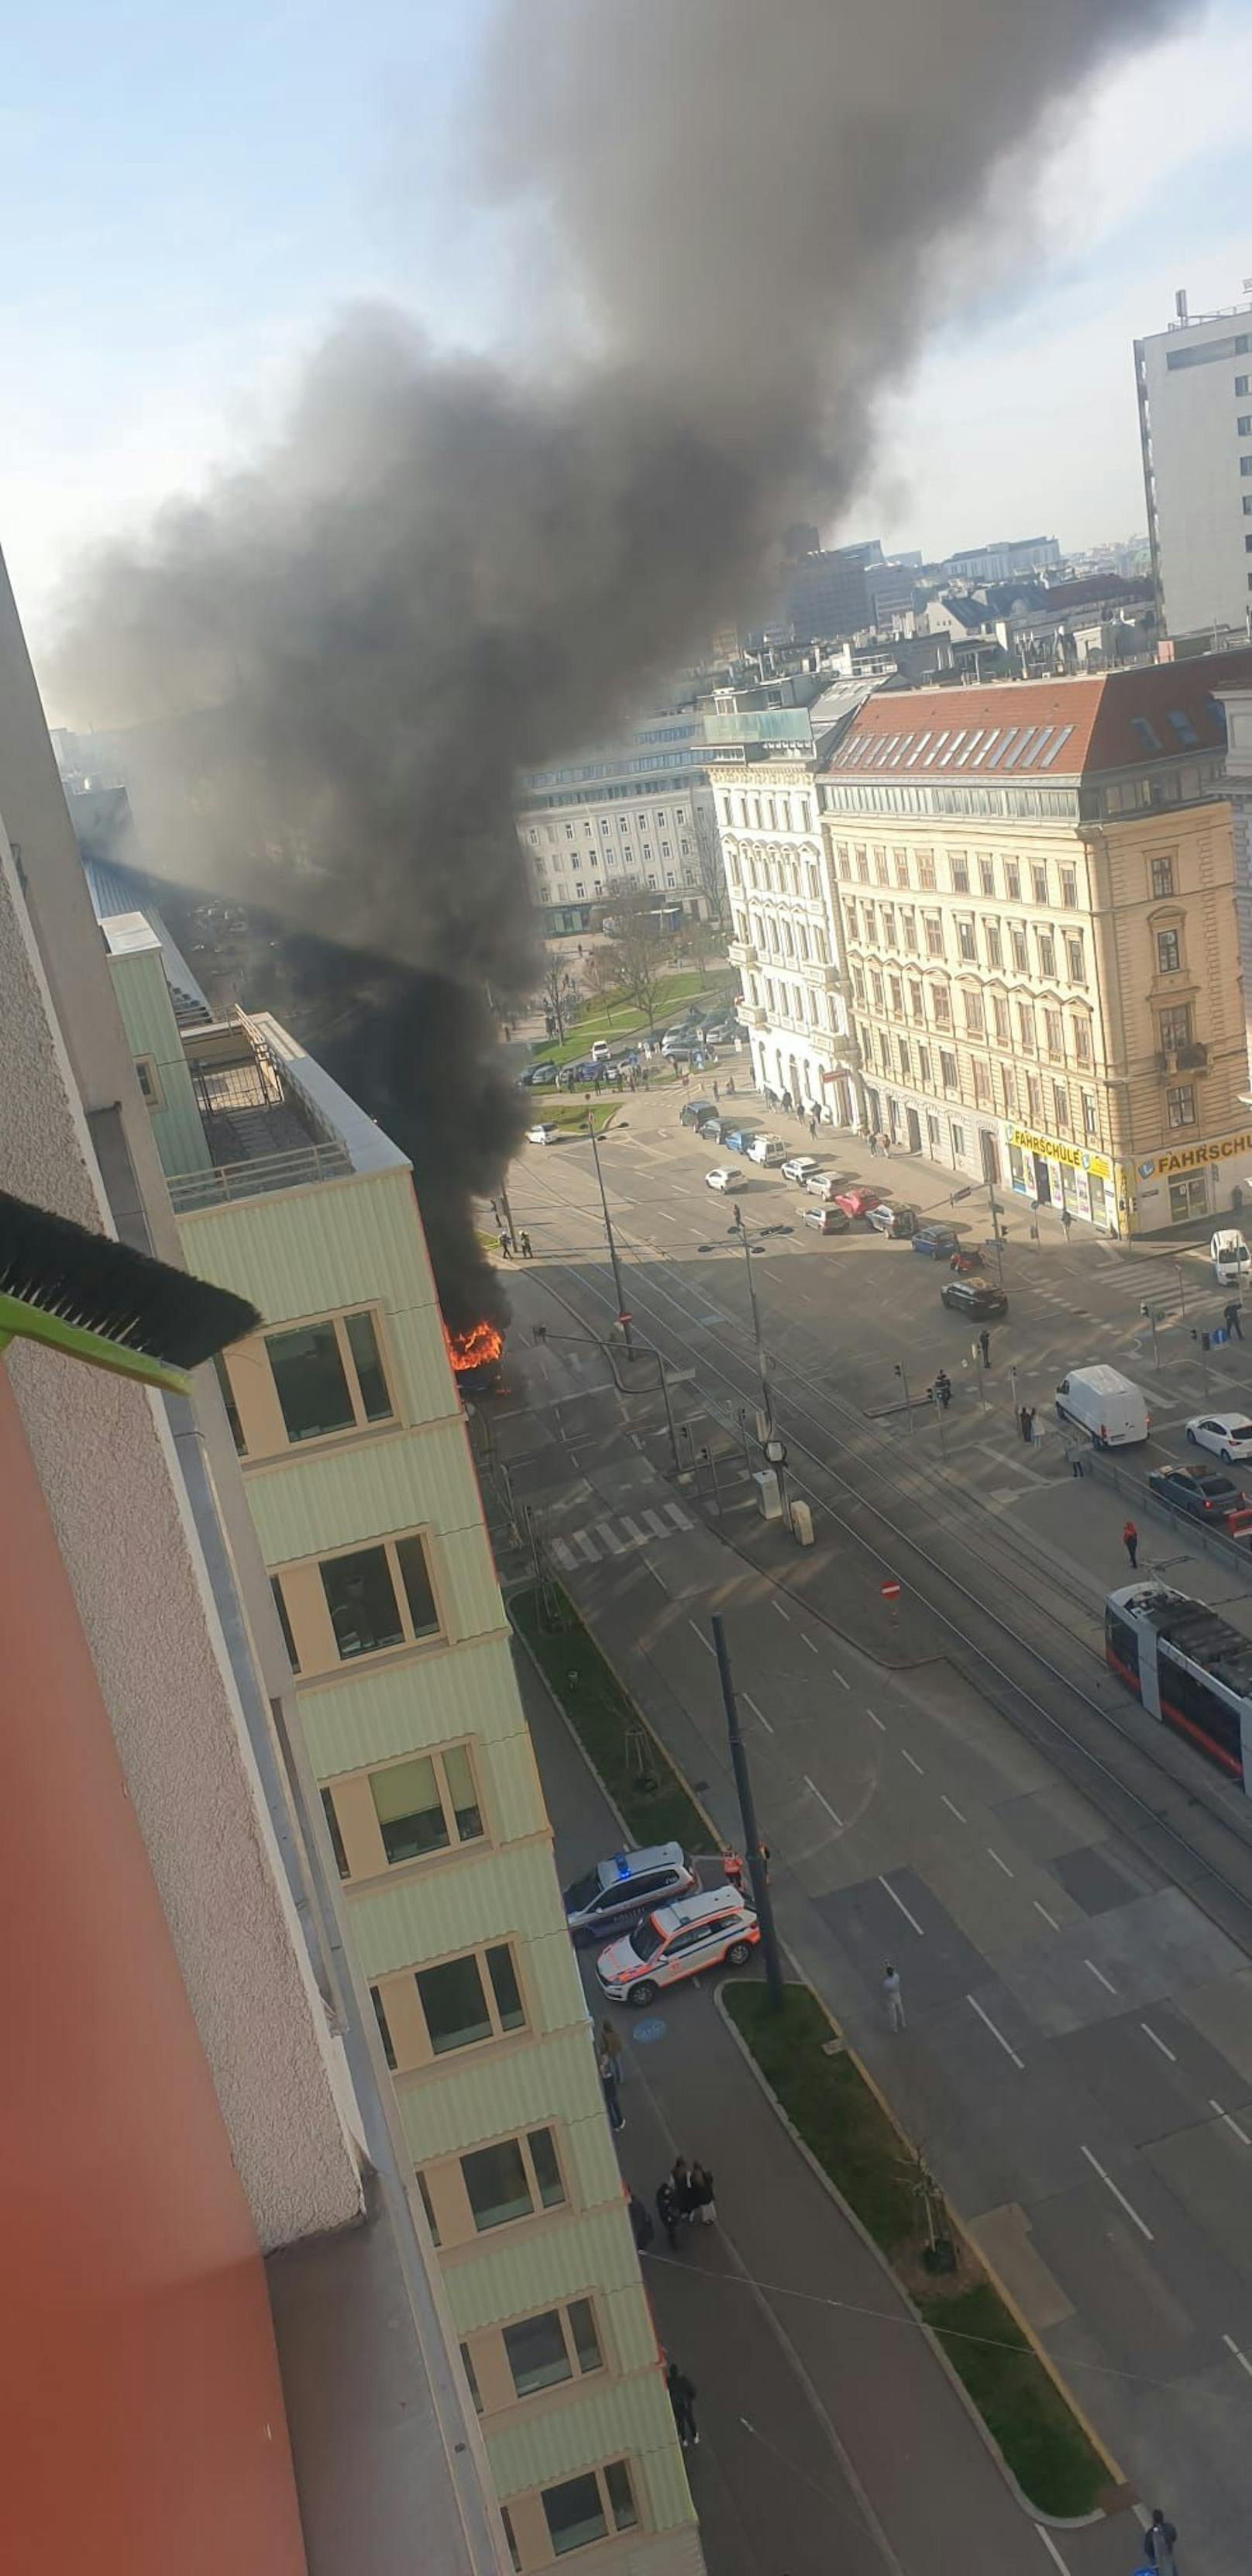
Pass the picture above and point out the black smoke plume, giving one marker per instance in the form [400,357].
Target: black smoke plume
[444,570]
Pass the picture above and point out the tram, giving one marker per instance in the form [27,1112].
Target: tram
[1189,1667]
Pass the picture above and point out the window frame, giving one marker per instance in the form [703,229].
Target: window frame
[612,2521]
[480,1955]
[539,2207]
[338,1321]
[576,2369]
[387,1547]
[148,1077]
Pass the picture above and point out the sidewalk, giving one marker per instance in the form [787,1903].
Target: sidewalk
[829,2430]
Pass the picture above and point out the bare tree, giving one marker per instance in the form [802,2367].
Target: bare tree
[559,993]
[602,977]
[709,863]
[639,947]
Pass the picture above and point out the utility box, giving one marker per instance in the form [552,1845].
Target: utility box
[768,1496]
[801,1524]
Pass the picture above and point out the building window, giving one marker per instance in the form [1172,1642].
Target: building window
[960,875]
[958,1141]
[926,877]
[897,998]
[1054,1034]
[973,1014]
[982,1083]
[908,921]
[902,867]
[228,1399]
[1162,874]
[947,1070]
[385,2035]
[463,2006]
[1180,1105]
[862,866]
[587,2508]
[512,2180]
[329,1377]
[934,935]
[429,2208]
[1021,958]
[902,1051]
[379,1597]
[1176,1027]
[149,1081]
[1047,956]
[1060,1108]
[1000,1010]
[1168,952]
[1090,1115]
[544,2350]
[1026,1025]
[284,1623]
[991,935]
[876,989]
[966,948]
[336,1838]
[1069,888]
[1075,957]
[471,2382]
[1034,1098]
[1082,1041]
[1243,384]
[844,859]
[889,926]
[923,1067]
[917,1003]
[426,1804]
[942,1007]
[1012,881]
[987,876]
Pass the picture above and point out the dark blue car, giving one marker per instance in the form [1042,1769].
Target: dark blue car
[937,1242]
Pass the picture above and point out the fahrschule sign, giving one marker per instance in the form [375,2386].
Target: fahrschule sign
[1193,1158]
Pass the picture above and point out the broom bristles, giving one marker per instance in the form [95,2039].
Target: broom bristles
[80,1277]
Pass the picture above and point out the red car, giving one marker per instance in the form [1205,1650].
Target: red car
[858,1202]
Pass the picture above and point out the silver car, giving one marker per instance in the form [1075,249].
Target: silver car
[619,1892]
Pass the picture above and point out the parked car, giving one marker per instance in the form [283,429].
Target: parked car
[766,1149]
[822,1185]
[898,1221]
[857,1202]
[721,1033]
[1231,1259]
[827,1220]
[619,1892]
[1100,1400]
[600,1051]
[714,1130]
[543,1134]
[974,1297]
[798,1167]
[723,1179]
[535,1075]
[1206,1495]
[1229,1434]
[737,1139]
[711,1930]
[694,1112]
[936,1242]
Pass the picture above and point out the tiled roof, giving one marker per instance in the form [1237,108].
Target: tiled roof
[1045,728]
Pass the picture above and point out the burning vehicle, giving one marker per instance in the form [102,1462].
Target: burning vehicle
[476,1358]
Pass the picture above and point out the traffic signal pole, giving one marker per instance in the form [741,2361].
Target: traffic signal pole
[747,1808]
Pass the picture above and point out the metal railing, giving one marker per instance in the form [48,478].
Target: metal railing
[257,1176]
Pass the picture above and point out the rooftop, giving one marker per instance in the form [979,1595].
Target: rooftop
[273,1118]
[1049,728]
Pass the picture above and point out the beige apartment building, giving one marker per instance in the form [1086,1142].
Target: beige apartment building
[354,1451]
[1034,886]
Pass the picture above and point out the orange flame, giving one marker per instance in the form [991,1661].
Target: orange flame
[474,1349]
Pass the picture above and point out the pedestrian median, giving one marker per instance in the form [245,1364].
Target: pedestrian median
[632,1766]
[839,2118]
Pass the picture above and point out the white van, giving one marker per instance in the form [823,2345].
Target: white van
[1231,1259]
[1106,1404]
[767,1149]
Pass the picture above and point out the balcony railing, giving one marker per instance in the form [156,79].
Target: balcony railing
[257,1176]
[741,952]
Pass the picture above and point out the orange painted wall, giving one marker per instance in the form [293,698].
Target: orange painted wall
[141,2413]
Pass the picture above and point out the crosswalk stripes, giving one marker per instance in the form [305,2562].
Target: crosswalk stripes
[590,1546]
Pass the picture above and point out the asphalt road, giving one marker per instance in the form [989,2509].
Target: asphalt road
[1078,2060]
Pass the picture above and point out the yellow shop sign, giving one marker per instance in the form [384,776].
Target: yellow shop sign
[1192,1158]
[1051,1151]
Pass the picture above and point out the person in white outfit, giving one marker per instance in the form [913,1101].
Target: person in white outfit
[894,1998]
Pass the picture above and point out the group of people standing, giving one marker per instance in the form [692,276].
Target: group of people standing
[686,2193]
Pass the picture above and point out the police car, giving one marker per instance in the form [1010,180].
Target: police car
[617,1892]
[710,1930]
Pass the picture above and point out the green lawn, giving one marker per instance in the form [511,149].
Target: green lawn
[845,2127]
[569,1111]
[685,985]
[607,1722]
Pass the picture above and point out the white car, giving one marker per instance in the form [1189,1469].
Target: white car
[1229,1435]
[600,1051]
[799,1167]
[722,1179]
[712,1930]
[822,1184]
[542,1135]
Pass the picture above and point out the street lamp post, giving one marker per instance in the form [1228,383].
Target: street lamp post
[747,1808]
[767,1401]
[623,1316]
[994,1205]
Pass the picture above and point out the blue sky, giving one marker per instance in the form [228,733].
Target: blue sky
[190,199]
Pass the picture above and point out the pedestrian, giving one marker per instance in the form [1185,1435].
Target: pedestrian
[607,2064]
[943,1389]
[682,2397]
[893,1998]
[716,1093]
[1075,1462]
[813,1125]
[1027,1420]
[641,2226]
[1130,1541]
[609,2041]
[1067,1221]
[668,2212]
[680,2180]
[1160,2540]
[762,1853]
[1231,1313]
[703,2205]
[732,1869]
[527,1254]
[506,1248]
[984,1341]
[873,1144]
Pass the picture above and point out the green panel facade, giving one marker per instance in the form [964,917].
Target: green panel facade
[519,2088]
[152,1031]
[476,1898]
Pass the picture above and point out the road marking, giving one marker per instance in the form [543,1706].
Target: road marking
[1048,1918]
[1158,2043]
[910,1758]
[954,1811]
[1097,2167]
[1241,2357]
[1241,2134]
[749,1702]
[675,1513]
[706,1642]
[871,1712]
[807,1641]
[1099,1972]
[823,1802]
[1000,1864]
[610,1538]
[996,2034]
[655,1524]
[783,1614]
[899,1900]
[638,1535]
[843,1685]
[1051,2547]
[564,1556]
